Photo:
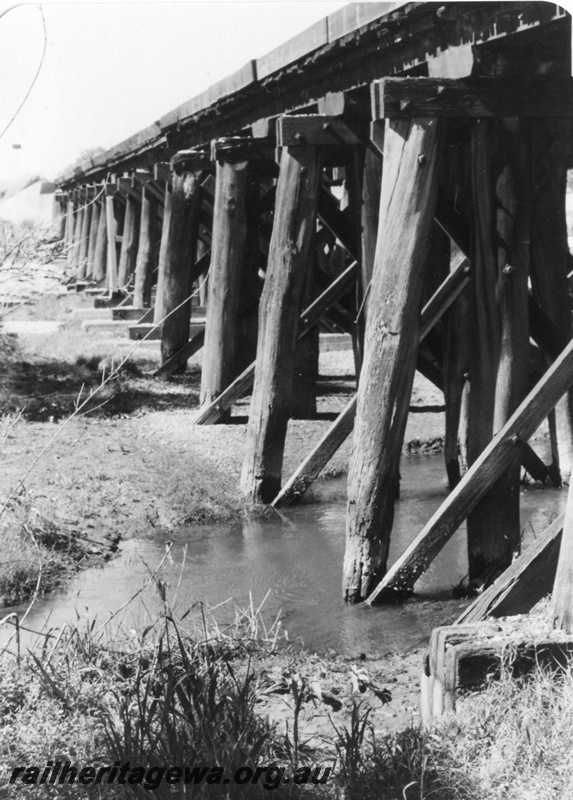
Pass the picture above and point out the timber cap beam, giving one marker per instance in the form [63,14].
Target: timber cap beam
[127,188]
[495,96]
[317,129]
[234,149]
[162,172]
[191,161]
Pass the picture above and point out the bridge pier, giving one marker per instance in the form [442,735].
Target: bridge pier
[499,336]
[74,251]
[128,255]
[111,227]
[167,202]
[146,250]
[293,228]
[69,230]
[94,225]
[84,237]
[177,254]
[59,215]
[100,251]
[228,251]
[550,259]
[412,151]
[456,183]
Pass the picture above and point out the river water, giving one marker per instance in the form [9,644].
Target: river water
[296,558]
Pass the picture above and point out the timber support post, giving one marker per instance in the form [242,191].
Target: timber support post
[370,208]
[293,228]
[549,257]
[84,236]
[482,475]
[145,250]
[74,249]
[456,183]
[129,242]
[69,232]
[178,247]
[94,224]
[224,296]
[500,328]
[307,472]
[100,251]
[111,226]
[562,598]
[303,397]
[167,204]
[409,182]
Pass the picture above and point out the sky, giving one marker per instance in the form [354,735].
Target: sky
[111,69]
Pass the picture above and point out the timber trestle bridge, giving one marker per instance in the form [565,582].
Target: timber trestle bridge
[396,172]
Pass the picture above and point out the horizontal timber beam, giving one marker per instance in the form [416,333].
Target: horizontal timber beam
[495,96]
[191,161]
[233,149]
[316,129]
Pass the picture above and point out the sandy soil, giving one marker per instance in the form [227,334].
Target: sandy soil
[133,458]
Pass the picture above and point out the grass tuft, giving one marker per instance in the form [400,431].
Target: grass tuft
[34,547]
[165,695]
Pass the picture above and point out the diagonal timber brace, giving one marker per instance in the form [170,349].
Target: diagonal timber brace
[524,583]
[543,331]
[212,412]
[341,428]
[400,579]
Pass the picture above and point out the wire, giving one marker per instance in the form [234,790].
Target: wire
[35,76]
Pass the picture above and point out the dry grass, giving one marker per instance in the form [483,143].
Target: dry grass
[515,740]
[169,695]
[38,555]
[161,696]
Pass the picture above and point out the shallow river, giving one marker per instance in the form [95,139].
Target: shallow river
[298,558]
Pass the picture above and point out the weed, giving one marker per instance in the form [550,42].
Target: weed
[33,546]
[349,744]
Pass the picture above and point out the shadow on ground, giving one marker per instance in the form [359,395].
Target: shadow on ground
[49,390]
